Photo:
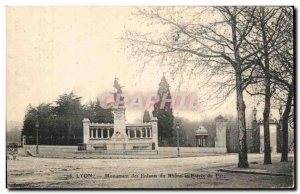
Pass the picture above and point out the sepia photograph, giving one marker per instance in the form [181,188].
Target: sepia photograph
[150,97]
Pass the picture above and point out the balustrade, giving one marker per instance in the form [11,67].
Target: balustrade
[101,132]
[139,132]
[133,132]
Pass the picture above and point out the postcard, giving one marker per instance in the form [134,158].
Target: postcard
[179,97]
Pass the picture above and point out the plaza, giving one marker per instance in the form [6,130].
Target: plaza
[185,172]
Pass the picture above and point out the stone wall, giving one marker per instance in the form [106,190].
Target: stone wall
[47,150]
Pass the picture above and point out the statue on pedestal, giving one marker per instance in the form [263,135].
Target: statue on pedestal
[119,136]
[118,87]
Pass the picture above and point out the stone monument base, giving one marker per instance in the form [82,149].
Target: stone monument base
[116,146]
[118,141]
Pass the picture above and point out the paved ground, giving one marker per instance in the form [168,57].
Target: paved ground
[160,155]
[276,169]
[190,172]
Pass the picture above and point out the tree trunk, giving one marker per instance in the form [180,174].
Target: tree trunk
[266,114]
[285,125]
[243,157]
[241,107]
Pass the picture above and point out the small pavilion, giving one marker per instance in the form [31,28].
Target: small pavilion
[201,135]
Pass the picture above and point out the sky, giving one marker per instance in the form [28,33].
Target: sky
[54,50]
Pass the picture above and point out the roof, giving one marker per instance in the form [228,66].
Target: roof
[220,118]
[201,131]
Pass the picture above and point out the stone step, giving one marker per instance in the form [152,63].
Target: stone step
[120,152]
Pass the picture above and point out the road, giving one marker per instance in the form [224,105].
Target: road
[189,172]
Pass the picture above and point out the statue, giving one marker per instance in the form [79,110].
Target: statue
[118,87]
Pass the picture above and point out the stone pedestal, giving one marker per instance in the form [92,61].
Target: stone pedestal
[221,124]
[119,139]
[86,130]
[155,132]
[273,136]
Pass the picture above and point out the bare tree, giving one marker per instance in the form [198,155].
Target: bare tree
[265,34]
[217,47]
[270,77]
[283,75]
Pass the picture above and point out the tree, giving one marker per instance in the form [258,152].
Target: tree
[96,113]
[62,124]
[69,113]
[284,77]
[46,120]
[103,115]
[43,115]
[146,117]
[29,124]
[265,33]
[217,47]
[267,81]
[273,77]
[164,112]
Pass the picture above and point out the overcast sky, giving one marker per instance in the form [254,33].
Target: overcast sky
[55,50]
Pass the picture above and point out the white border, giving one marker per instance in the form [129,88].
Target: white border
[5,3]
[145,2]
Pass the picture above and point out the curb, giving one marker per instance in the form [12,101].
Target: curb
[253,172]
[31,154]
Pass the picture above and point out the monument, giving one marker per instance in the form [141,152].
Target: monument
[120,137]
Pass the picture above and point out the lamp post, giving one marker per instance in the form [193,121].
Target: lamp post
[177,128]
[37,137]
[176,38]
